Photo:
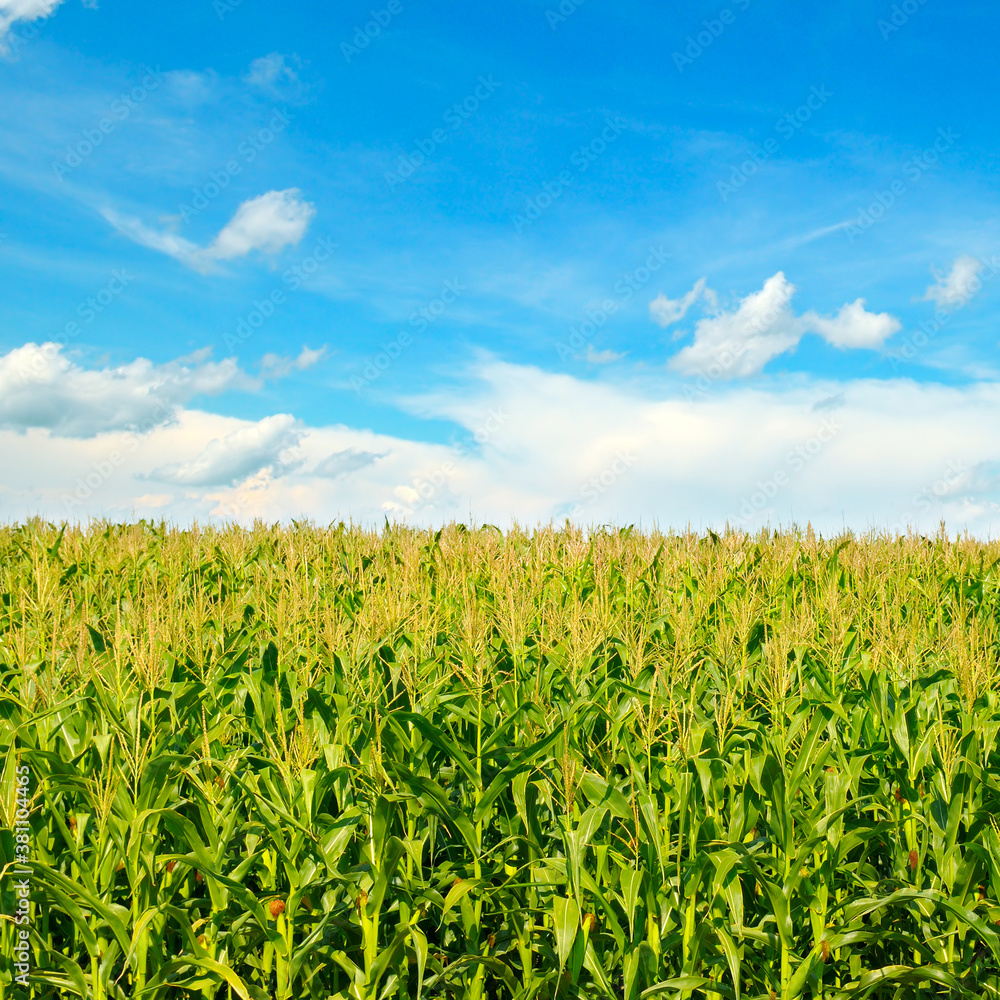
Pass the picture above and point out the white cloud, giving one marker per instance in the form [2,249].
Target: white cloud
[601,357]
[762,327]
[740,342]
[854,326]
[669,311]
[865,453]
[237,456]
[268,224]
[955,289]
[278,366]
[270,70]
[41,388]
[12,11]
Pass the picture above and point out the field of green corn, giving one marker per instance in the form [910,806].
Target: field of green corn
[311,763]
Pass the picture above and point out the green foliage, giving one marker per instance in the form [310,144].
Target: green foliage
[303,762]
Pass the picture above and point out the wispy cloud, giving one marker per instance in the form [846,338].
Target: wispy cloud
[954,289]
[266,224]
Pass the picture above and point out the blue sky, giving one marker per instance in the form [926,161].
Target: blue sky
[519,262]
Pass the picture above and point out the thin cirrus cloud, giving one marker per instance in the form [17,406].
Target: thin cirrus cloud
[666,311]
[278,366]
[266,224]
[739,342]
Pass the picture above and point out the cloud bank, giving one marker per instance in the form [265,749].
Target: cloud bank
[529,446]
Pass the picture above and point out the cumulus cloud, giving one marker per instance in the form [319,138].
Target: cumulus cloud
[762,327]
[278,366]
[666,311]
[12,11]
[267,224]
[853,326]
[740,342]
[237,456]
[955,289]
[42,388]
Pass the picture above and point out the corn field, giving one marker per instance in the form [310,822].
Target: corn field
[303,762]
